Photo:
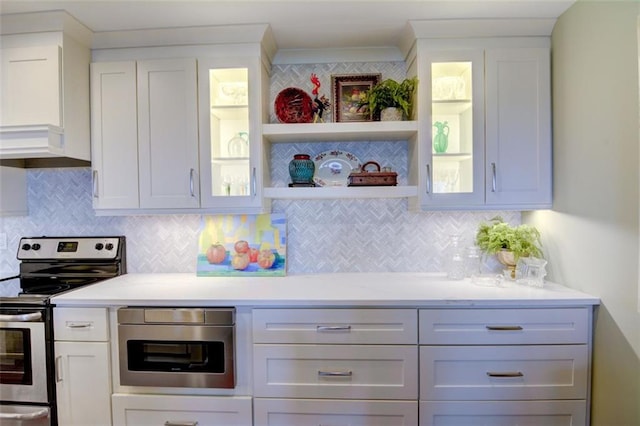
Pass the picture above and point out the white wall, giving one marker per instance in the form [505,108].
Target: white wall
[591,235]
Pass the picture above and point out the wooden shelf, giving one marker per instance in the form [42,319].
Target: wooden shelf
[340,192]
[329,132]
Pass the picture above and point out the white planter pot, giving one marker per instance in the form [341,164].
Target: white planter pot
[391,114]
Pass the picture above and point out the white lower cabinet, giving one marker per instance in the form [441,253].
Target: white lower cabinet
[83,372]
[172,410]
[335,366]
[505,366]
[314,412]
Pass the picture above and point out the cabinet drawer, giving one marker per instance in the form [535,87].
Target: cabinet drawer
[508,413]
[359,372]
[503,326]
[335,326]
[503,372]
[287,412]
[154,410]
[81,324]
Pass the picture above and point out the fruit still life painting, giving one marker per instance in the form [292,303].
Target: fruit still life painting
[242,245]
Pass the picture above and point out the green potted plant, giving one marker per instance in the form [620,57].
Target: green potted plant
[391,94]
[509,243]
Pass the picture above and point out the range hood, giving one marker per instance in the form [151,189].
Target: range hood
[36,146]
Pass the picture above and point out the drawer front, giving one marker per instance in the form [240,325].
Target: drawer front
[503,372]
[287,412]
[504,326]
[154,410]
[508,413]
[336,326]
[358,372]
[81,324]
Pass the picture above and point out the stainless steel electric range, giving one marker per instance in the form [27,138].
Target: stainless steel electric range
[49,266]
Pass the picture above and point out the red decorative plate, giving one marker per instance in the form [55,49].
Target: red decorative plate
[293,105]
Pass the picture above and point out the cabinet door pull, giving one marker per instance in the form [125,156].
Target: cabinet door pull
[78,325]
[334,373]
[95,184]
[503,327]
[180,423]
[321,328]
[428,179]
[58,368]
[493,177]
[253,182]
[504,374]
[191,187]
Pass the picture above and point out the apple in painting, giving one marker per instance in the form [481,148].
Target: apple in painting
[216,253]
[253,255]
[241,246]
[240,261]
[266,258]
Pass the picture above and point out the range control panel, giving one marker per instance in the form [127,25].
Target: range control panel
[41,248]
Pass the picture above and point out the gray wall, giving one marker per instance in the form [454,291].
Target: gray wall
[591,235]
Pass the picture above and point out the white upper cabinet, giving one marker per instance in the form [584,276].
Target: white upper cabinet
[114,135]
[485,129]
[230,95]
[518,128]
[168,133]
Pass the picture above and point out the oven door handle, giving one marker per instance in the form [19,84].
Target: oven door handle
[37,414]
[35,316]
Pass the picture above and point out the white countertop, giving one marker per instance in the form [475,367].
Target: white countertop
[341,289]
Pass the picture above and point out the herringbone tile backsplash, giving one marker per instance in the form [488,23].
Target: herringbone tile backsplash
[323,235]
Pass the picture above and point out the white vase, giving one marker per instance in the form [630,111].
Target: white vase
[391,114]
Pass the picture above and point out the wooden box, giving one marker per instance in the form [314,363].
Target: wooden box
[366,177]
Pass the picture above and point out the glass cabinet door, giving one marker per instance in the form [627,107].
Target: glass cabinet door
[455,158]
[226,137]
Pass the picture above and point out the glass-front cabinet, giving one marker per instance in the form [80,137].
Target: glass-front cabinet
[230,139]
[454,125]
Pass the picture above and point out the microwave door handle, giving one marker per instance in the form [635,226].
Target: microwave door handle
[35,316]
[37,414]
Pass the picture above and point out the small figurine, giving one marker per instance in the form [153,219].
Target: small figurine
[319,104]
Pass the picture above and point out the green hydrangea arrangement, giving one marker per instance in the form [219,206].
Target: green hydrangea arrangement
[496,235]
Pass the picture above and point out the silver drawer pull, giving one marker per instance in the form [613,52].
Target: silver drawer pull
[333,328]
[335,373]
[503,327]
[504,374]
[170,423]
[78,324]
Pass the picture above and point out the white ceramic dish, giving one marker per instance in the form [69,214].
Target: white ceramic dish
[333,167]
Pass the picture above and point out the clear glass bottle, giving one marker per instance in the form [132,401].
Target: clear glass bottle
[455,260]
[473,261]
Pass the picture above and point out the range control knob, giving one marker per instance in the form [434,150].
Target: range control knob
[26,246]
[35,246]
[109,246]
[99,246]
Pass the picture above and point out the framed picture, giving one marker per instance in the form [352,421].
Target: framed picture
[348,91]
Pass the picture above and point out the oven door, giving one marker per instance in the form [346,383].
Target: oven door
[23,364]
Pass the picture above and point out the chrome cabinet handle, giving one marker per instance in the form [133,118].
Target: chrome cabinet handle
[58,368]
[187,423]
[321,328]
[428,179]
[493,177]
[503,327]
[95,184]
[334,373]
[254,185]
[35,316]
[78,325]
[504,374]
[191,187]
